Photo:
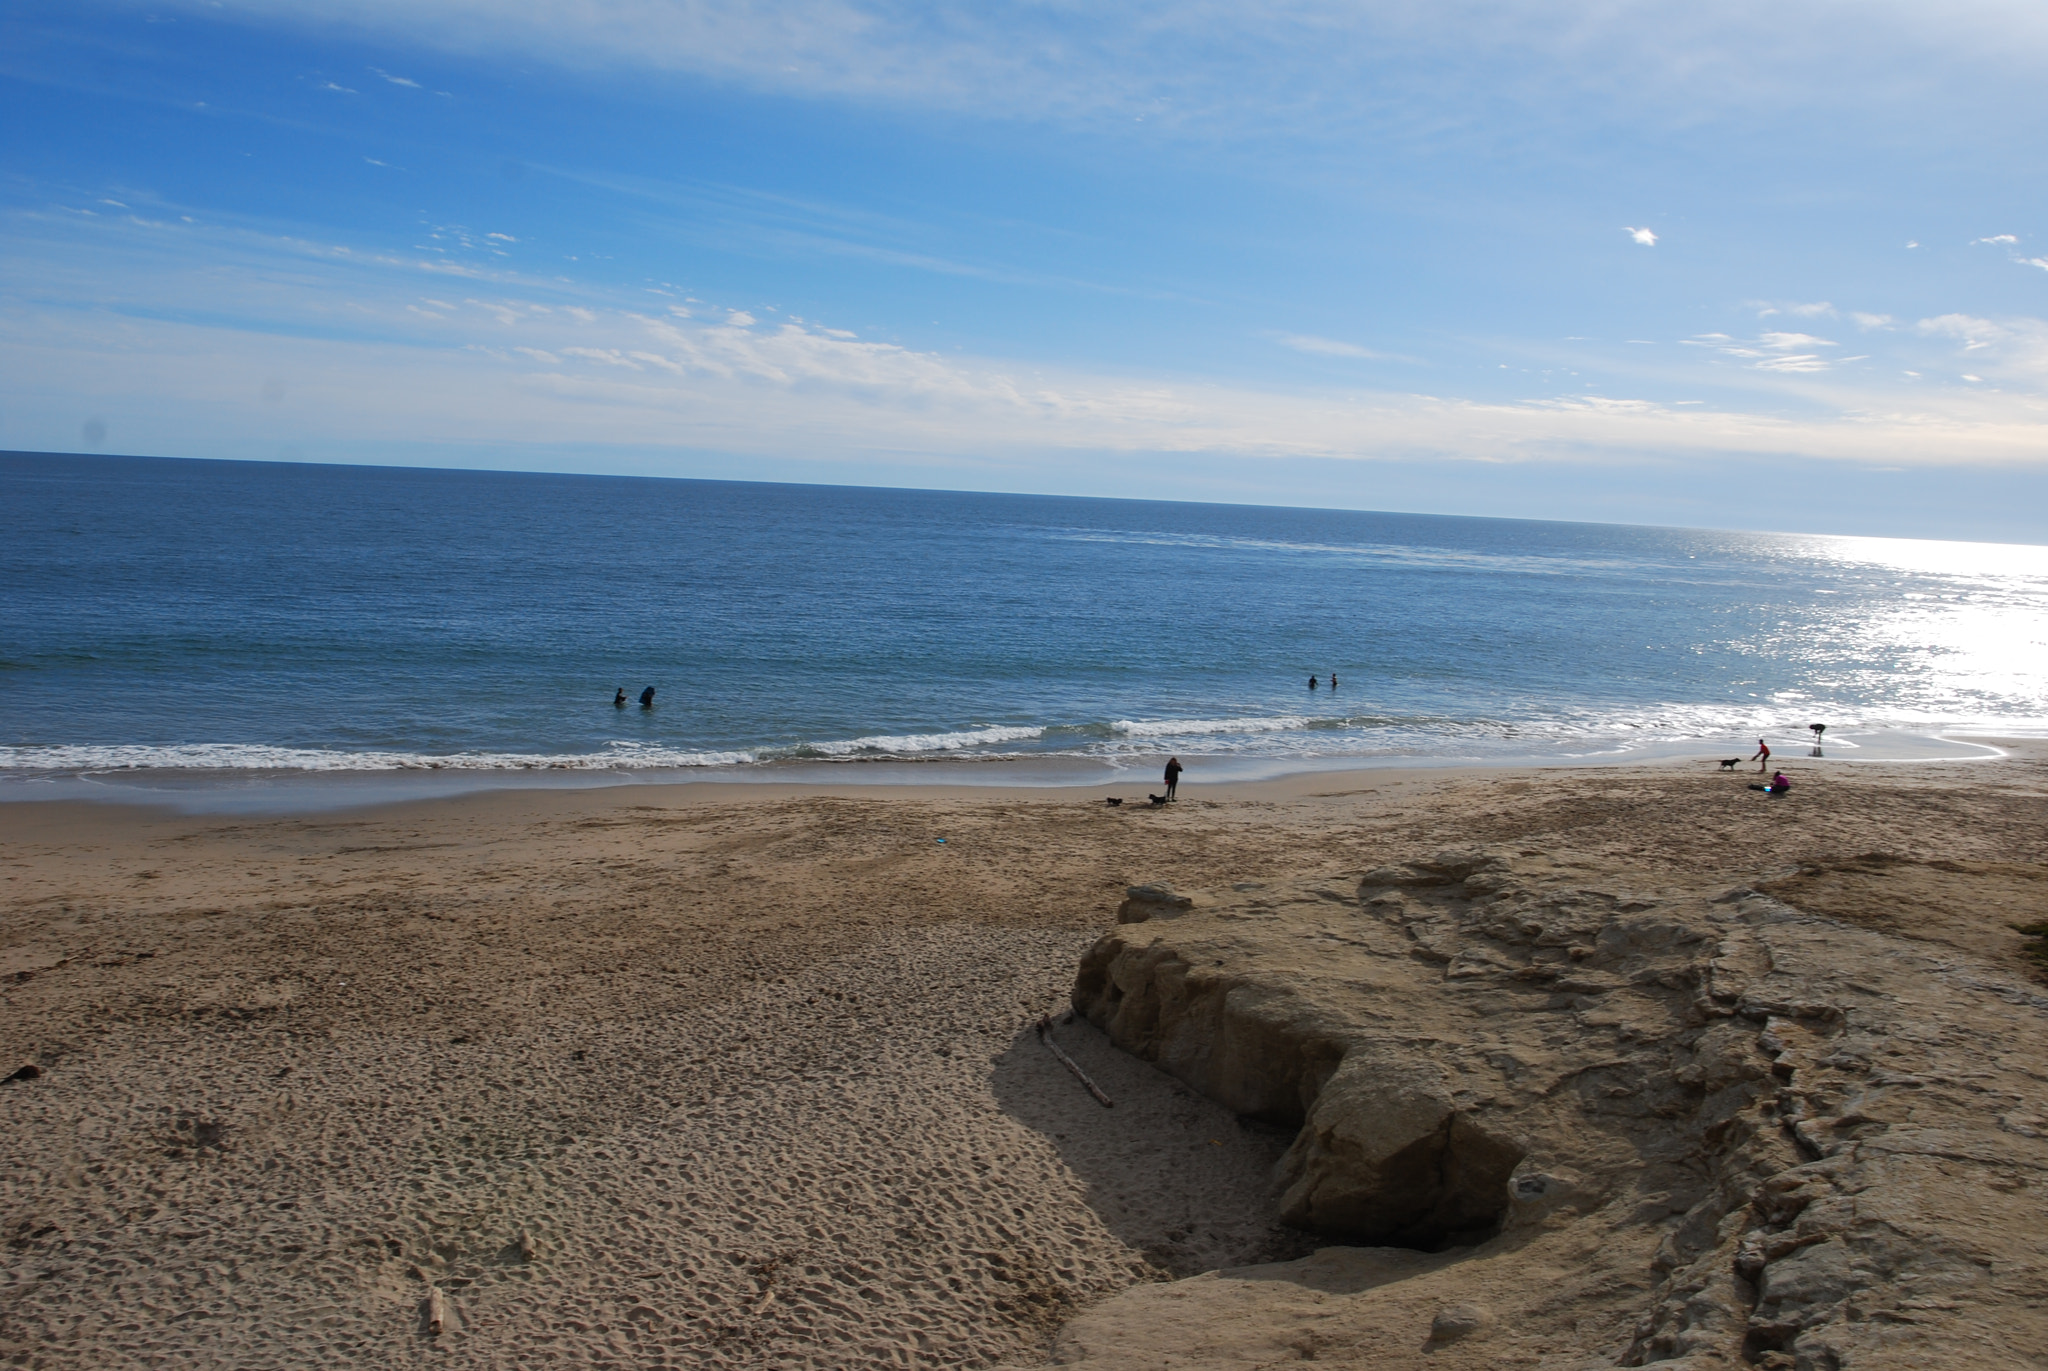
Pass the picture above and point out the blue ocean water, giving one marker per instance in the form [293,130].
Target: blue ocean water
[189,616]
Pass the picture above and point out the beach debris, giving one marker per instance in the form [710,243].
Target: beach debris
[26,1073]
[437,1311]
[526,1246]
[1045,1036]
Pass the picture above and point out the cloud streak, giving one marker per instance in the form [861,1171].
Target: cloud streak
[1252,69]
[1333,347]
[371,356]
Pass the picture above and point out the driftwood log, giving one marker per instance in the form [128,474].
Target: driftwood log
[437,1310]
[1045,1036]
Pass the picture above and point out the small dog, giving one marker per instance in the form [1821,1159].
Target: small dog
[1730,763]
[1157,800]
[1113,801]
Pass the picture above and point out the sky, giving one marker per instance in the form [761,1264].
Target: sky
[1744,265]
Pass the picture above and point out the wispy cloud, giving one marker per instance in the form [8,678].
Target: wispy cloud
[1788,352]
[1259,68]
[1332,347]
[522,359]
[1642,235]
[406,81]
[1999,239]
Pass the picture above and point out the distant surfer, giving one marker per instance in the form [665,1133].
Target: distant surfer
[647,698]
[1172,776]
[619,700]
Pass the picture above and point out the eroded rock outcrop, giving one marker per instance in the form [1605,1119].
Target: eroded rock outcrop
[1637,1126]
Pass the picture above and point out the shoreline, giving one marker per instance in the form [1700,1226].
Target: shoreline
[310,792]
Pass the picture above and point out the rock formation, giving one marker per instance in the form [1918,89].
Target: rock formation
[1558,1121]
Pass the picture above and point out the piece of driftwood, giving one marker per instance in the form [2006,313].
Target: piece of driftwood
[437,1310]
[1045,1036]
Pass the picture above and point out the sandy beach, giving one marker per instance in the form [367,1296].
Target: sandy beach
[719,1075]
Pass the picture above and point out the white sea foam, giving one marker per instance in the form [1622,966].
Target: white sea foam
[1196,728]
[257,757]
[903,743]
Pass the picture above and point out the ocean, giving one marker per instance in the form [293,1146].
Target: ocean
[174,624]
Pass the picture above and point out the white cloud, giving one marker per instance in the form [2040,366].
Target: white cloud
[1259,67]
[1775,351]
[406,81]
[1329,347]
[1642,235]
[512,359]
[2002,239]
[739,318]
[342,89]
[1873,321]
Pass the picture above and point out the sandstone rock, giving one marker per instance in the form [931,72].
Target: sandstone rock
[1679,1128]
[1142,902]
[1457,1321]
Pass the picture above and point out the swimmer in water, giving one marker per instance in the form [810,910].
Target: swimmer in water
[647,698]
[1311,683]
[619,700]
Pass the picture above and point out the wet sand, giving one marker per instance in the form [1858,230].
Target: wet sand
[749,1070]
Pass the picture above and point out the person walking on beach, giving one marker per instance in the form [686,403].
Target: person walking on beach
[647,698]
[1763,756]
[1172,775]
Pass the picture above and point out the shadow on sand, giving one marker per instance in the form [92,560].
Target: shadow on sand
[1178,1177]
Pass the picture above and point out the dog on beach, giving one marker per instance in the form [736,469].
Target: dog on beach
[1730,763]
[1157,800]
[1114,800]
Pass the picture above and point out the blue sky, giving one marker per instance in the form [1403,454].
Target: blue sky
[1748,265]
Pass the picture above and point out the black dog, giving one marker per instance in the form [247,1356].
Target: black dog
[1113,801]
[1156,800]
[1731,763]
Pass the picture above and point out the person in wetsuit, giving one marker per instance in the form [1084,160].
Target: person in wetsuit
[647,698]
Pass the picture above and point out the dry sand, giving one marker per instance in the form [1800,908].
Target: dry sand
[748,1069]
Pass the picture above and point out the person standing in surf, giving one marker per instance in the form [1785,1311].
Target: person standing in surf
[1173,770]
